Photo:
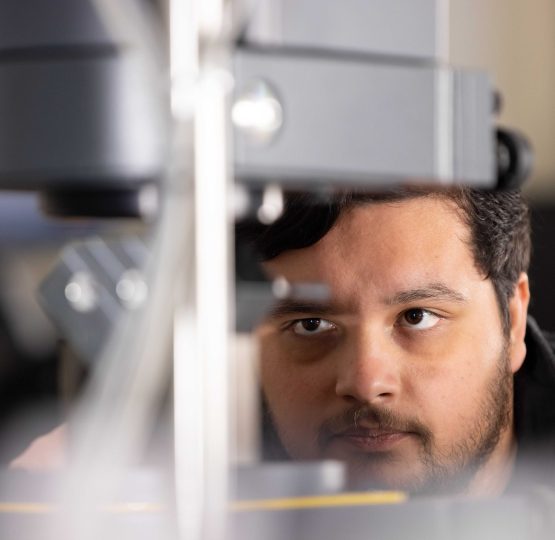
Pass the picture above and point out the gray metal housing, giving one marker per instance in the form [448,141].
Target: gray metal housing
[408,28]
[361,121]
[77,108]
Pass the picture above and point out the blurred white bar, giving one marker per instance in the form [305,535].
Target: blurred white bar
[184,56]
[202,324]
[211,18]
[189,426]
[213,288]
[245,402]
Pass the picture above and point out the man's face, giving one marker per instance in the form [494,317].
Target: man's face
[405,372]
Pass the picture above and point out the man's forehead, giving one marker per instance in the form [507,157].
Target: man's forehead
[387,253]
[384,228]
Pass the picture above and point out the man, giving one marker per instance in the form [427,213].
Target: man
[415,370]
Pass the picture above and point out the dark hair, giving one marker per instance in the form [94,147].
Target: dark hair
[498,222]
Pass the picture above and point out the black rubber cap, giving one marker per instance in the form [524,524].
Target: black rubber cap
[109,203]
[515,159]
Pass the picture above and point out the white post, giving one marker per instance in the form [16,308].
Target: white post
[202,326]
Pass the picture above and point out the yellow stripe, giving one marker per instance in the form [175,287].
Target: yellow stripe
[134,508]
[26,508]
[293,503]
[38,508]
[321,501]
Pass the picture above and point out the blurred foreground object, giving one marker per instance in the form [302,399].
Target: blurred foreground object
[80,108]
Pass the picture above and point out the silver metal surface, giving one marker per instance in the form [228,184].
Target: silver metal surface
[366,123]
[408,28]
[474,146]
[91,287]
[257,113]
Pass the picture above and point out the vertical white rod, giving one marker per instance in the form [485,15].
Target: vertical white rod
[188,374]
[189,426]
[184,57]
[202,323]
[213,291]
[211,18]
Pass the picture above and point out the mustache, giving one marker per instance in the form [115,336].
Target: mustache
[360,419]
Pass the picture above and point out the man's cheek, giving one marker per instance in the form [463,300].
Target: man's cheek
[296,420]
[298,435]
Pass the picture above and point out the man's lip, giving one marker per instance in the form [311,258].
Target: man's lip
[372,440]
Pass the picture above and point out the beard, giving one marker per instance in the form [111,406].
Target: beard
[442,470]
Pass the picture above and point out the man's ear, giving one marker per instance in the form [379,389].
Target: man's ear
[518,311]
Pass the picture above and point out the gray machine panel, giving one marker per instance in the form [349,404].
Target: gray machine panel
[30,24]
[474,126]
[97,270]
[79,107]
[368,122]
[79,122]
[387,27]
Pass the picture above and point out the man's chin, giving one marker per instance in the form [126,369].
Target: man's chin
[385,475]
[398,467]
[417,480]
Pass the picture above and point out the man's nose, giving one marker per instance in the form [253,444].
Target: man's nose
[368,370]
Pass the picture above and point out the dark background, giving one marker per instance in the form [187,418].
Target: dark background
[542,269]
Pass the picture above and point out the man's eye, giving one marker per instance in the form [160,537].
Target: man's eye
[418,319]
[310,327]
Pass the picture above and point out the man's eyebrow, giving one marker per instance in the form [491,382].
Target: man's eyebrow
[295,307]
[434,291]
